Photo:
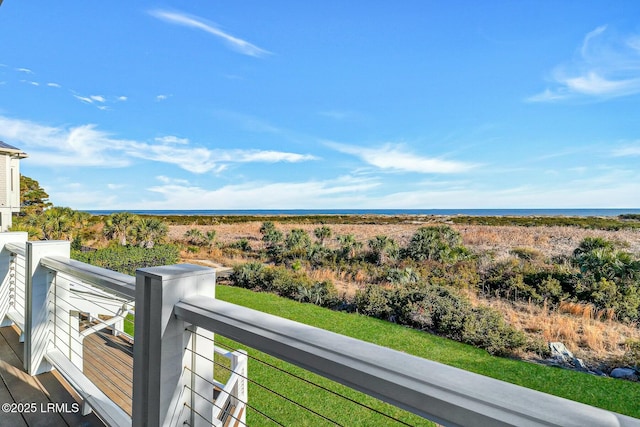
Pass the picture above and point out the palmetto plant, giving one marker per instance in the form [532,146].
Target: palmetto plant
[322,233]
[119,225]
[149,231]
[382,247]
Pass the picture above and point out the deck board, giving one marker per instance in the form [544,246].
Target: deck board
[18,387]
[109,364]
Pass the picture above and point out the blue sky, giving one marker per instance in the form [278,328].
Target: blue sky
[325,104]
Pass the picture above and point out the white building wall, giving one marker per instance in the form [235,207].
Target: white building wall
[5,160]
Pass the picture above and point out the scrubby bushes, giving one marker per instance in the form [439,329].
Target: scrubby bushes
[440,310]
[440,243]
[282,281]
[127,259]
[419,284]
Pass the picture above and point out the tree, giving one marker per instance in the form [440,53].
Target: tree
[55,223]
[34,200]
[119,226]
[149,231]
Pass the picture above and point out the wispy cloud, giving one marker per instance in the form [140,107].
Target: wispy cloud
[88,146]
[235,43]
[343,191]
[24,70]
[54,85]
[605,66]
[171,139]
[161,97]
[397,157]
[627,150]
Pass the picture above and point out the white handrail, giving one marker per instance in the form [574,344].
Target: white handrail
[444,394]
[113,281]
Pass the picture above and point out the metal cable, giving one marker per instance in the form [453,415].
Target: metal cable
[213,403]
[268,389]
[125,362]
[315,384]
[120,346]
[235,397]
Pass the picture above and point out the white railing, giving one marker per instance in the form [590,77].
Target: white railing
[60,302]
[176,316]
[12,287]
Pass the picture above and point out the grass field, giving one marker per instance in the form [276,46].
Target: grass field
[614,395]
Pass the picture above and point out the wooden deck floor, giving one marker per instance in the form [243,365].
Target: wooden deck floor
[107,363]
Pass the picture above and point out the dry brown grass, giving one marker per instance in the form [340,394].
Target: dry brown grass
[579,327]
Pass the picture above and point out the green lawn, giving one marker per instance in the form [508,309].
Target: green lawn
[614,395]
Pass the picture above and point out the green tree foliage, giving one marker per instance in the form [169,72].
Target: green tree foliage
[119,226]
[147,232]
[33,198]
[56,223]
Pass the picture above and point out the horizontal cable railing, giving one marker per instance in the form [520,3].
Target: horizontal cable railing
[112,281]
[16,285]
[76,307]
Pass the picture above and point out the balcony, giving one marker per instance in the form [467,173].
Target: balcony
[78,360]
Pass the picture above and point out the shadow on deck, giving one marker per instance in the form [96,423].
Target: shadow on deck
[47,400]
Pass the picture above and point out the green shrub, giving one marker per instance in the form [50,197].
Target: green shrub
[442,311]
[247,275]
[127,259]
[440,243]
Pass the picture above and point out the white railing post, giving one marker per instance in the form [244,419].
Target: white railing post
[240,393]
[160,351]
[37,303]
[8,283]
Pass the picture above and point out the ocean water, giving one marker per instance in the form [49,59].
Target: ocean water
[472,212]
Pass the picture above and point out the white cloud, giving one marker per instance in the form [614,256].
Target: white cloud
[115,186]
[606,66]
[161,97]
[628,150]
[53,85]
[243,156]
[86,146]
[122,98]
[170,139]
[84,99]
[237,44]
[24,70]
[97,98]
[397,157]
[342,192]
